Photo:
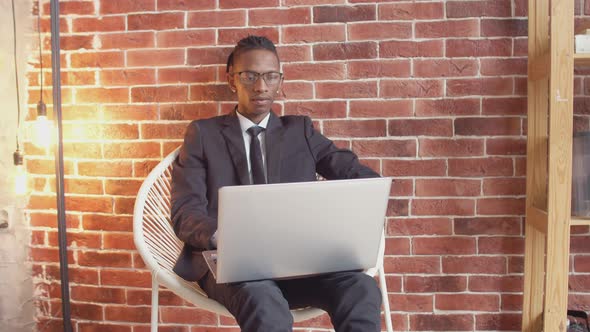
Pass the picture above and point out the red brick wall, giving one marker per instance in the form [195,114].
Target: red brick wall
[430,92]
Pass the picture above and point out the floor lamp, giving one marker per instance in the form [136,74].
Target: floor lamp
[59,166]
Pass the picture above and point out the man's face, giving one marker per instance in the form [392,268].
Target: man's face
[255,92]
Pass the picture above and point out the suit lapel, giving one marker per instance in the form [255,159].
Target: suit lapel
[232,133]
[273,142]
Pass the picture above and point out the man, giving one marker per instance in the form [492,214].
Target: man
[251,145]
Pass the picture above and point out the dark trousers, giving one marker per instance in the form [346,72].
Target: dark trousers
[352,299]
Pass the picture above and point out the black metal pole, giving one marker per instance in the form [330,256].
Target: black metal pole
[59,167]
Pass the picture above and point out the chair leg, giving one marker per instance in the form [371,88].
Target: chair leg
[386,311]
[155,288]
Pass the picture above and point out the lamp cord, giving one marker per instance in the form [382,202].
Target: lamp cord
[40,48]
[16,76]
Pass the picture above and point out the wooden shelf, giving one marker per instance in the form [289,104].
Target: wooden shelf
[582,59]
[580,221]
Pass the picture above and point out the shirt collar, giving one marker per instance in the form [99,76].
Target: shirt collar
[245,123]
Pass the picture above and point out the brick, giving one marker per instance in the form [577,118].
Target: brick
[94,222]
[448,187]
[420,127]
[186,75]
[450,147]
[76,8]
[379,30]
[86,311]
[419,226]
[298,90]
[317,109]
[448,107]
[384,148]
[157,21]
[76,275]
[478,47]
[294,53]
[445,68]
[48,255]
[397,207]
[163,130]
[511,302]
[474,265]
[411,49]
[127,40]
[208,55]
[97,59]
[490,86]
[223,4]
[429,167]
[297,15]
[472,302]
[411,302]
[410,88]
[132,150]
[488,226]
[457,207]
[346,90]
[105,168]
[504,186]
[124,205]
[411,11]
[314,71]
[98,294]
[231,36]
[155,58]
[521,46]
[397,246]
[118,241]
[344,51]
[378,69]
[435,284]
[127,77]
[504,106]
[486,8]
[97,327]
[516,264]
[311,2]
[71,43]
[498,322]
[480,167]
[310,34]
[188,316]
[143,297]
[412,264]
[46,166]
[128,278]
[500,67]
[504,27]
[159,94]
[441,322]
[380,108]
[184,38]
[40,219]
[35,95]
[127,314]
[501,245]
[120,131]
[329,14]
[82,150]
[142,168]
[104,259]
[122,187]
[402,188]
[116,7]
[83,186]
[355,128]
[76,239]
[446,29]
[501,206]
[185,5]
[444,246]
[213,19]
[89,204]
[218,92]
[102,95]
[187,111]
[72,78]
[513,284]
[98,24]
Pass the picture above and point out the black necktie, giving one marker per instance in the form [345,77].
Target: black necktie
[256,156]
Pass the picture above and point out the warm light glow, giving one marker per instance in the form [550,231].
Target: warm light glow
[42,132]
[20,180]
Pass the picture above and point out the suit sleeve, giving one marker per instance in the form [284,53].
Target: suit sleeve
[192,224]
[331,162]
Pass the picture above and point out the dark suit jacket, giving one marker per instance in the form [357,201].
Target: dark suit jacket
[213,156]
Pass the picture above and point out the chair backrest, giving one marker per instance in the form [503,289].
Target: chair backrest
[152,230]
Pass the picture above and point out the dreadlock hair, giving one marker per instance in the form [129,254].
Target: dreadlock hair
[250,43]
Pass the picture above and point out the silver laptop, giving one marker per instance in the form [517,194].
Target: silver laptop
[298,229]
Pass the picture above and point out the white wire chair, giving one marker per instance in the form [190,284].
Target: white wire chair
[159,247]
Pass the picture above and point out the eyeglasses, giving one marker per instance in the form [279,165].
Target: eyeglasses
[271,78]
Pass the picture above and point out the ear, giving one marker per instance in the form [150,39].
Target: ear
[231,80]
